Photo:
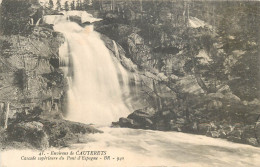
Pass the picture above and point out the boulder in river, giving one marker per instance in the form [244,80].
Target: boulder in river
[47,132]
[126,122]
[64,132]
[139,119]
[29,132]
[142,113]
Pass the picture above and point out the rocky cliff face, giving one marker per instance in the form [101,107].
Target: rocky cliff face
[30,76]
[189,74]
[33,87]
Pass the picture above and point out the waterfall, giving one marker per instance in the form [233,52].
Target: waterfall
[123,75]
[96,90]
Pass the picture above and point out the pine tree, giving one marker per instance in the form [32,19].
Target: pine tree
[78,5]
[58,4]
[72,5]
[85,5]
[51,4]
[66,6]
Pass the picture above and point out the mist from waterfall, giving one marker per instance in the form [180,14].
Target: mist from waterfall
[97,84]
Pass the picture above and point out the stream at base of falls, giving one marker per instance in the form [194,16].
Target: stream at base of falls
[157,148]
[133,147]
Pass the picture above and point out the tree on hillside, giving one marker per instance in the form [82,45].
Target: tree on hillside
[51,4]
[66,6]
[10,22]
[58,5]
[72,5]
[79,5]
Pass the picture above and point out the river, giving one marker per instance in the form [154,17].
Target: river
[133,147]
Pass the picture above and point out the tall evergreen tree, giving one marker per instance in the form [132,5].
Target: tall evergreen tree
[78,5]
[72,5]
[58,5]
[66,6]
[51,4]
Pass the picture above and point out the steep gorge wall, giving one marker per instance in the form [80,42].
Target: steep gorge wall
[33,89]
[30,76]
[182,96]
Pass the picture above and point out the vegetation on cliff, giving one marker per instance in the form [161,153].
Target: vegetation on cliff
[199,63]
[32,87]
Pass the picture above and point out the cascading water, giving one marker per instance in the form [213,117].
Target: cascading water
[96,90]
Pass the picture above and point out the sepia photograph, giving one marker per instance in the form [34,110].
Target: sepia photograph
[129,83]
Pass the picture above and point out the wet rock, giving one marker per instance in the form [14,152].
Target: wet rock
[175,127]
[29,132]
[139,119]
[63,132]
[214,134]
[189,128]
[148,122]
[214,105]
[203,128]
[143,123]
[248,132]
[195,127]
[224,89]
[252,141]
[232,98]
[257,130]
[142,113]
[234,139]
[180,121]
[115,125]
[166,113]
[213,126]
[215,95]
[190,85]
[161,125]
[111,16]
[254,102]
[235,136]
[197,113]
[226,128]
[140,53]
[222,133]
[48,132]
[136,39]
[126,122]
[251,118]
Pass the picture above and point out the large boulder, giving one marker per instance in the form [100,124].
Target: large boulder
[235,136]
[143,118]
[214,105]
[63,133]
[142,113]
[126,122]
[214,134]
[203,128]
[232,98]
[47,132]
[29,132]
